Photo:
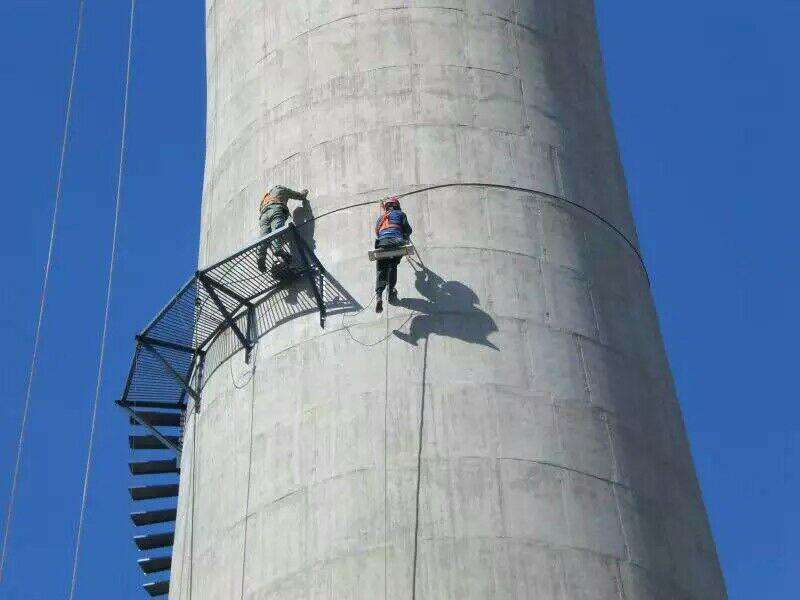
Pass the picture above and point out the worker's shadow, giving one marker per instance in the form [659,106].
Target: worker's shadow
[450,309]
[303,218]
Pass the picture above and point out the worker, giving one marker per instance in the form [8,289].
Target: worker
[391,230]
[272,215]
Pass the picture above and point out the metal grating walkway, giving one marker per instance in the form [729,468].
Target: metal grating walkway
[171,354]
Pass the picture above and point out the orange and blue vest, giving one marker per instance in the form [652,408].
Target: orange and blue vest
[392,225]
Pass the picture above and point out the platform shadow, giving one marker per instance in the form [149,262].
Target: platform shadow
[450,309]
[302,215]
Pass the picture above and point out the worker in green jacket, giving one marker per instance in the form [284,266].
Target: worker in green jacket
[272,215]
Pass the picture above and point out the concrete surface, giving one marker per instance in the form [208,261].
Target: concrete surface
[520,436]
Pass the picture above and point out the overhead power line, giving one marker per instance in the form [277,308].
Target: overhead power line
[43,297]
[107,311]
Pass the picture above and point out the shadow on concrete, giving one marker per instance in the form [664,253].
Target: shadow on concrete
[449,309]
[303,218]
[302,215]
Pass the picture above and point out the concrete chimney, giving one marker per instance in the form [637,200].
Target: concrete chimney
[510,429]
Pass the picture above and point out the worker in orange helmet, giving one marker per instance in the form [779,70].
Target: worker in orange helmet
[391,230]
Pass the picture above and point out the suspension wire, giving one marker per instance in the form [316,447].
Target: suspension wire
[386,460]
[107,311]
[347,325]
[251,373]
[498,186]
[249,470]
[419,468]
[43,297]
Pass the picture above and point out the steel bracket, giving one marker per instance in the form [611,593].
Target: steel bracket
[210,285]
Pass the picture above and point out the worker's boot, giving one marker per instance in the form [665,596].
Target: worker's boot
[379,303]
[392,296]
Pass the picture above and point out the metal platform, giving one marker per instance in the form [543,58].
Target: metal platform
[166,375]
[170,351]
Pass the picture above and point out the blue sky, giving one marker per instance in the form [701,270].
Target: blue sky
[704,97]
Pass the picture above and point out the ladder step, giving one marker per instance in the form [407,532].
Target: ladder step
[150,404]
[162,419]
[154,467]
[154,540]
[151,517]
[151,442]
[155,564]
[149,492]
[157,588]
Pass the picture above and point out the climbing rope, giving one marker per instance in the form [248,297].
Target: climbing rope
[386,463]
[386,453]
[249,475]
[247,378]
[107,311]
[43,297]
[419,470]
[346,326]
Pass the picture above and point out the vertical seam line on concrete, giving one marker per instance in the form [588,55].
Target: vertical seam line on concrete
[217,28]
[183,542]
[249,469]
[592,300]
[620,583]
[565,482]
[585,368]
[614,490]
[195,463]
[185,533]
[419,469]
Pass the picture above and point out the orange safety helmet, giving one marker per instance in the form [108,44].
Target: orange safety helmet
[388,205]
[389,202]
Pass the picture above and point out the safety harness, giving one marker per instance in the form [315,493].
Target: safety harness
[386,224]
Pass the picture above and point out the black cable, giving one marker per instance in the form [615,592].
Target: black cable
[347,326]
[512,188]
[419,470]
